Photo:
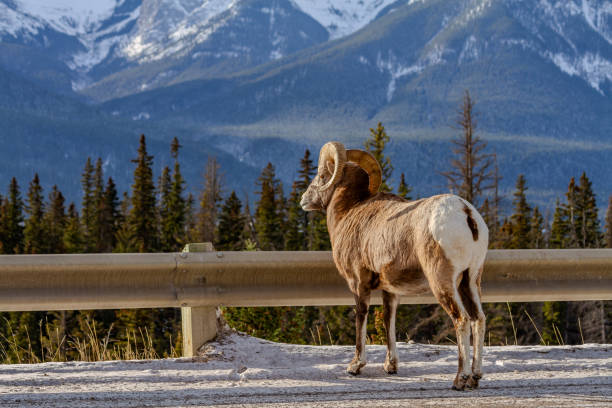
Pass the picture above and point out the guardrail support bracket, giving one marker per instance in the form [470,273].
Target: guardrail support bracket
[199,324]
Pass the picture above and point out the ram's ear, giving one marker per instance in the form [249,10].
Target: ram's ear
[329,165]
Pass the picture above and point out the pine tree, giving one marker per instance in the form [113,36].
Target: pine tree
[3,202]
[250,233]
[306,172]
[231,225]
[376,146]
[190,219]
[209,202]
[570,216]
[404,190]
[34,233]
[536,236]
[496,202]
[73,236]
[586,215]
[125,241]
[55,222]
[98,203]
[110,217]
[521,216]
[268,222]
[320,234]
[313,224]
[164,210]
[177,206]
[295,236]
[608,232]
[12,220]
[471,171]
[559,229]
[142,219]
[88,205]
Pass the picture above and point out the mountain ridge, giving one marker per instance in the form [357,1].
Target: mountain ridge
[281,75]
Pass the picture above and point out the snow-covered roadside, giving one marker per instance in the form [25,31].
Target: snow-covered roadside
[244,370]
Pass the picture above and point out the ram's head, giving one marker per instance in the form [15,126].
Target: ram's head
[333,160]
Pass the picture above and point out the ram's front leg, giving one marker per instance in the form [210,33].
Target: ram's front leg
[362,304]
[390,302]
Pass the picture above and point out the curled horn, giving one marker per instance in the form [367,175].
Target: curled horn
[332,151]
[367,162]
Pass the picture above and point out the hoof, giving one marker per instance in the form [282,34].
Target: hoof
[390,367]
[472,382]
[355,367]
[460,383]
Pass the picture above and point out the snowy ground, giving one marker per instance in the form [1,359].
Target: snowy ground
[245,371]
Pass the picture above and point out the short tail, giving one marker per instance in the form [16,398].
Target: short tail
[471,223]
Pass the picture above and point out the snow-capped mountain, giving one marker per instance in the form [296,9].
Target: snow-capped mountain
[302,70]
[100,37]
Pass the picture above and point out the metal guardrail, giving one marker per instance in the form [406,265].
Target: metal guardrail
[209,279]
[103,281]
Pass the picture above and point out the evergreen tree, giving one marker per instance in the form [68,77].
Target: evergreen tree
[3,202]
[471,171]
[55,222]
[268,222]
[177,206]
[536,236]
[231,225]
[34,233]
[110,217]
[95,233]
[295,237]
[250,234]
[559,229]
[495,203]
[586,215]
[570,216]
[553,319]
[190,219]
[608,232]
[125,241]
[521,216]
[376,146]
[12,220]
[404,189]
[88,204]
[73,236]
[306,172]
[142,219]
[320,241]
[313,225]
[164,211]
[209,202]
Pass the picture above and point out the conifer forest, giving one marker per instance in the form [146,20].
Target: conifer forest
[158,215]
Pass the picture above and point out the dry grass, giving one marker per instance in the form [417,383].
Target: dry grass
[138,345]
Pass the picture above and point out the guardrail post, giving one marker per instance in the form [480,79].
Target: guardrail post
[199,324]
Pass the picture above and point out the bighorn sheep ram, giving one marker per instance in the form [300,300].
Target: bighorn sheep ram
[380,240]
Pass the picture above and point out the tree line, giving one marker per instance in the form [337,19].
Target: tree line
[159,215]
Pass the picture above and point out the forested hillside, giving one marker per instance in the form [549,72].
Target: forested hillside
[159,216]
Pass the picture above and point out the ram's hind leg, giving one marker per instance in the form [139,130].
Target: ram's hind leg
[444,288]
[362,304]
[390,302]
[469,288]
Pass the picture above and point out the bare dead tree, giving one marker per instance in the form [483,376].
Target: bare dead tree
[471,172]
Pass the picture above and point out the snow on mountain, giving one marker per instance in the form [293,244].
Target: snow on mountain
[342,17]
[574,35]
[173,27]
[583,30]
[69,16]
